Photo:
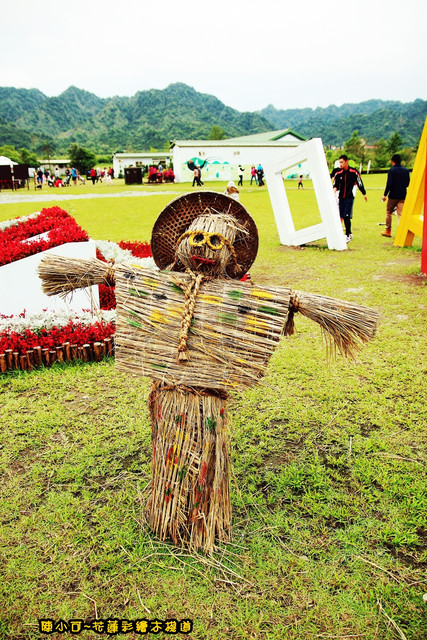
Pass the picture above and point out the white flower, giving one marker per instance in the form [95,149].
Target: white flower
[49,319]
[16,221]
[112,251]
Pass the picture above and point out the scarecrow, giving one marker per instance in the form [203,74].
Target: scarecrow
[199,332]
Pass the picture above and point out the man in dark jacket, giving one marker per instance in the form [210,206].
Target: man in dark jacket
[345,179]
[395,189]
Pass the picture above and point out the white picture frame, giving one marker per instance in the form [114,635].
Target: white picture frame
[330,227]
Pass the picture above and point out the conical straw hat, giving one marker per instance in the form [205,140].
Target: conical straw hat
[180,213]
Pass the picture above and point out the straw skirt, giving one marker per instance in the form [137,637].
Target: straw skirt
[190,489]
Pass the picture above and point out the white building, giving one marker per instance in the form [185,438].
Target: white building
[122,161]
[221,158]
[52,163]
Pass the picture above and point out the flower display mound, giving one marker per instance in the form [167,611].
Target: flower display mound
[38,232]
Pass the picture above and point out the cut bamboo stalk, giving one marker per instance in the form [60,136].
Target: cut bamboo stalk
[97,351]
[23,362]
[109,346]
[30,359]
[67,351]
[9,358]
[38,356]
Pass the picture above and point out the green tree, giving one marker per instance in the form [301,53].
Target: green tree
[381,155]
[10,152]
[408,157]
[28,157]
[81,158]
[331,156]
[104,159]
[355,147]
[394,144]
[217,133]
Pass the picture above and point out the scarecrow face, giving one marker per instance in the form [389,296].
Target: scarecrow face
[206,247]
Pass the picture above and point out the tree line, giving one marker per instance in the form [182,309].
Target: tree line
[376,155]
[355,147]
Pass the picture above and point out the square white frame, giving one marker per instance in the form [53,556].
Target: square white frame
[330,227]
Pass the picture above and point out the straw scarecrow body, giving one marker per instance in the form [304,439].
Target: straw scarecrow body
[199,333]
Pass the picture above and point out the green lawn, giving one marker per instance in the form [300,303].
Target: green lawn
[329,481]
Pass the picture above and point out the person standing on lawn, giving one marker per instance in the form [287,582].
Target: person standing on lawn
[240,174]
[344,180]
[395,189]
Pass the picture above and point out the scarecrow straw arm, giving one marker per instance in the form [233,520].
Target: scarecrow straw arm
[61,275]
[346,326]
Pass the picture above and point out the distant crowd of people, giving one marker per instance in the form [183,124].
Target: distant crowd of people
[257,175]
[159,174]
[95,174]
[45,176]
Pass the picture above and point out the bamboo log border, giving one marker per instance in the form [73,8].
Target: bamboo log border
[37,357]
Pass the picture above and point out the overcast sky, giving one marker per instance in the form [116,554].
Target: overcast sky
[248,53]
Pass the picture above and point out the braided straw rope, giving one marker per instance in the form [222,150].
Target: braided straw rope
[191,290]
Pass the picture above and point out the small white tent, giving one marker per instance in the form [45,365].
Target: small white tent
[4,160]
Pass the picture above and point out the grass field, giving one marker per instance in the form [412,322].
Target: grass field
[329,461]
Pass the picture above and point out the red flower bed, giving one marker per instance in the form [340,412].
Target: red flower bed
[16,243]
[74,333]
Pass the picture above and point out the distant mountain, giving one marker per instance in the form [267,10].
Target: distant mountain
[374,119]
[152,118]
[148,119]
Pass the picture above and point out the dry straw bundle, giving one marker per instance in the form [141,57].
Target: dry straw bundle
[61,275]
[346,326]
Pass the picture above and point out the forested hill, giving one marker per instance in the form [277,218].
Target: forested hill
[374,119]
[30,119]
[147,119]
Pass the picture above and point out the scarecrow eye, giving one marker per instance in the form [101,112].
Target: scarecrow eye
[215,241]
[198,238]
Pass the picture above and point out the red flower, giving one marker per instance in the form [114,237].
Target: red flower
[107,297]
[138,249]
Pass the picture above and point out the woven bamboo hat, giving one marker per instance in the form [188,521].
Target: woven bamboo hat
[180,213]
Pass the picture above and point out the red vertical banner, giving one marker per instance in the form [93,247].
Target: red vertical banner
[424,247]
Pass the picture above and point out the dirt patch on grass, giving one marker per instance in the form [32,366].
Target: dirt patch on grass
[411,279]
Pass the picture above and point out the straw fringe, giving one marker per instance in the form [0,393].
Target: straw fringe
[190,491]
